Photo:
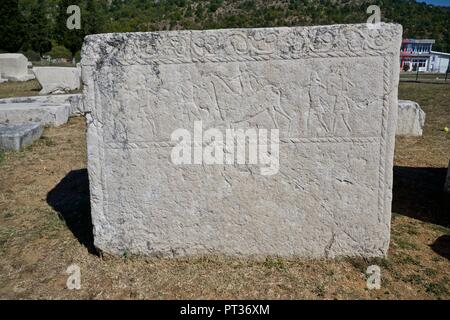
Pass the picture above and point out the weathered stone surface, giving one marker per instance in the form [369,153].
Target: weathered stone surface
[447,180]
[14,66]
[332,93]
[411,118]
[16,136]
[43,113]
[1,79]
[57,79]
[76,104]
[73,101]
[30,70]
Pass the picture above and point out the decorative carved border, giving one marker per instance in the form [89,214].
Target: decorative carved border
[235,45]
[169,144]
[387,81]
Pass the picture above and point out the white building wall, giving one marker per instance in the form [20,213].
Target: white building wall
[439,62]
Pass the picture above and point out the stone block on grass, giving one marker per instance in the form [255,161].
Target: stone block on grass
[14,67]
[57,79]
[51,115]
[16,136]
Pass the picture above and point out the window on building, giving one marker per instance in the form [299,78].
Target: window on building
[419,63]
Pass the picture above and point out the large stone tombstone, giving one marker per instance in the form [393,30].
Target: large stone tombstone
[173,118]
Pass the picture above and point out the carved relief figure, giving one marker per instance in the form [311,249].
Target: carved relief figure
[151,89]
[338,86]
[316,110]
[242,96]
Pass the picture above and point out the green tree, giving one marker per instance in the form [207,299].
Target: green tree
[12,26]
[188,13]
[199,12]
[72,39]
[214,5]
[39,29]
[92,21]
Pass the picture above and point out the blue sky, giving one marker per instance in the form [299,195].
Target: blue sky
[436,2]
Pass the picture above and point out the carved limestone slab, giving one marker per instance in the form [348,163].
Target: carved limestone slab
[253,142]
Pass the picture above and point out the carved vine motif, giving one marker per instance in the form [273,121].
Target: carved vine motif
[237,45]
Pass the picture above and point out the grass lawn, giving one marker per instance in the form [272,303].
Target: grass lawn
[425,77]
[23,89]
[19,89]
[45,226]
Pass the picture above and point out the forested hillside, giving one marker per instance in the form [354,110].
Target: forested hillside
[38,22]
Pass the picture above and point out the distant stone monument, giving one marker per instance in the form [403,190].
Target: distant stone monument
[73,101]
[244,142]
[411,119]
[14,67]
[57,79]
[17,136]
[47,114]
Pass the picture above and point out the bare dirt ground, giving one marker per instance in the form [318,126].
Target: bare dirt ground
[45,227]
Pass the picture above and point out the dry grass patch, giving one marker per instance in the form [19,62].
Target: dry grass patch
[19,89]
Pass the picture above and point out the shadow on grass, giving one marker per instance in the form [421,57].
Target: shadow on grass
[70,198]
[419,193]
[442,246]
